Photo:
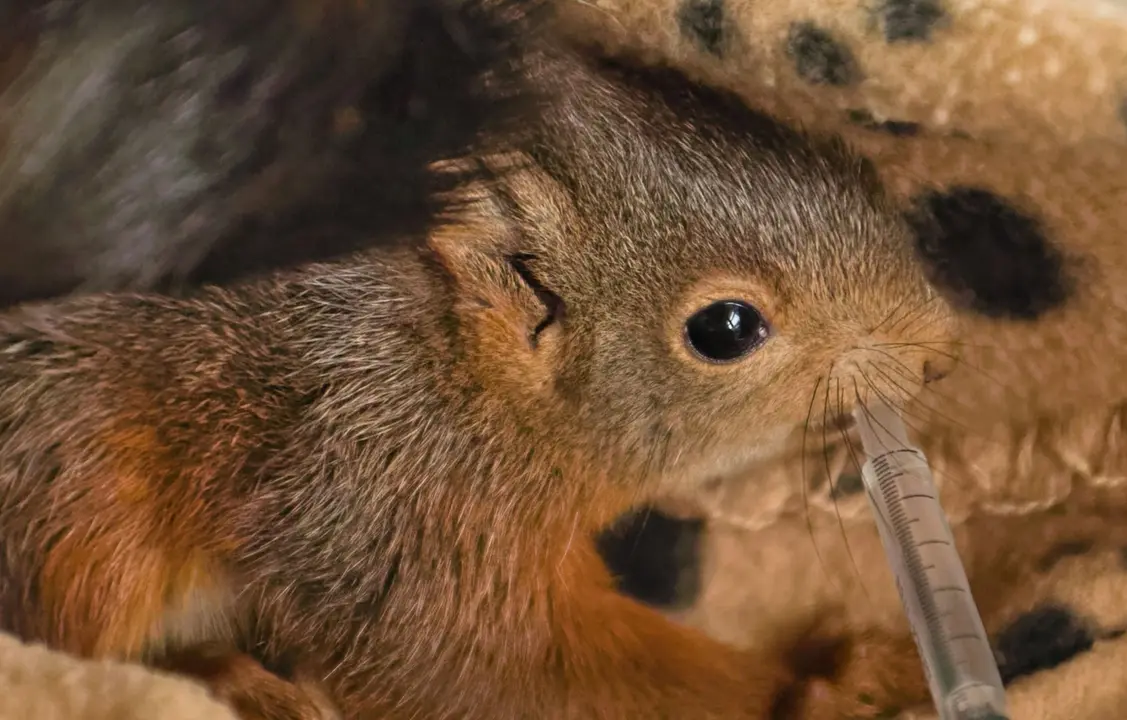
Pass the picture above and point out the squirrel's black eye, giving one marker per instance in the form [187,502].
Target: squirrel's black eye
[725,330]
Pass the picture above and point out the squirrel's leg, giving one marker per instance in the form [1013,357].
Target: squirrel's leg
[597,654]
[567,647]
[626,660]
[620,660]
[853,672]
[623,659]
[108,580]
[251,690]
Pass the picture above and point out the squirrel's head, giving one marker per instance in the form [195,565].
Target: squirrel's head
[681,282]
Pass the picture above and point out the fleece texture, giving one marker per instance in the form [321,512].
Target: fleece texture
[40,684]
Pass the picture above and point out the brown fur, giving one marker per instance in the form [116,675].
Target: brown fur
[246,686]
[377,470]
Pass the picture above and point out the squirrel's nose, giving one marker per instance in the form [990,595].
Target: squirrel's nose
[935,369]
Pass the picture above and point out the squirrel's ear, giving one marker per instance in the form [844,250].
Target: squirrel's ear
[492,260]
[552,306]
[505,313]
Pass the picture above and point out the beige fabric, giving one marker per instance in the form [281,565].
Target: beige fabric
[38,684]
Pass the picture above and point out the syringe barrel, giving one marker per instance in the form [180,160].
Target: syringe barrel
[933,586]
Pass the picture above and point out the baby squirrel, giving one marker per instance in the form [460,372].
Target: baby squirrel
[159,144]
[385,472]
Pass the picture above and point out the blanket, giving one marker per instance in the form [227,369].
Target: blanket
[46,685]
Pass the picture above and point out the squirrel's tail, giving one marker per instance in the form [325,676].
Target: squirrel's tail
[158,144]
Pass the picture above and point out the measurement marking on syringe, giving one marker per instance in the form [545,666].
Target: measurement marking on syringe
[949,588]
[965,636]
[921,543]
[882,458]
[917,495]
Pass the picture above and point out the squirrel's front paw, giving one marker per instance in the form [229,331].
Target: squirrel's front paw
[252,691]
[842,674]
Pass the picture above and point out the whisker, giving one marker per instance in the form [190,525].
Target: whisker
[883,398]
[805,489]
[908,375]
[920,431]
[872,418]
[936,347]
[833,495]
[852,450]
[967,363]
[921,425]
[955,481]
[949,398]
[865,408]
[826,453]
[910,325]
[916,329]
[908,312]
[825,422]
[917,399]
[913,314]
[892,389]
[890,314]
[941,343]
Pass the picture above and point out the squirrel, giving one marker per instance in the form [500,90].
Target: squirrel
[161,144]
[380,476]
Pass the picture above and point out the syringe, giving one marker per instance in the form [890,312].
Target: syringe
[959,664]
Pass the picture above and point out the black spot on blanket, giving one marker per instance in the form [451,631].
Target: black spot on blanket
[991,257]
[819,58]
[654,557]
[702,21]
[1041,640]
[910,20]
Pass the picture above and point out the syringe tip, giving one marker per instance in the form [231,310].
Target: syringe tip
[881,428]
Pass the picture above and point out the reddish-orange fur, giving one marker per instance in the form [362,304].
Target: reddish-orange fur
[251,690]
[124,555]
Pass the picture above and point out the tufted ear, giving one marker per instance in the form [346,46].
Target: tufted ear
[486,249]
[504,318]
